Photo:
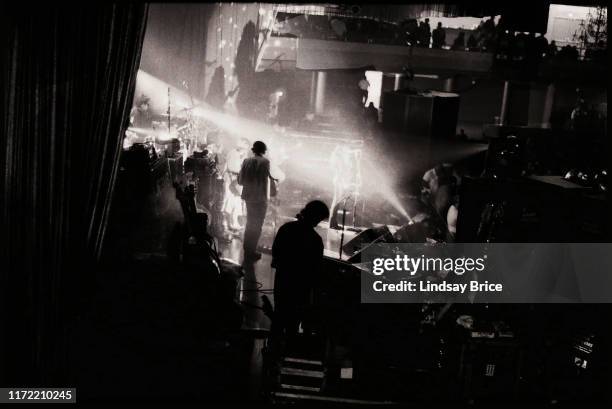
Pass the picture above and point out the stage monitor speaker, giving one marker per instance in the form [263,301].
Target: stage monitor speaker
[364,240]
[445,115]
[368,236]
[420,232]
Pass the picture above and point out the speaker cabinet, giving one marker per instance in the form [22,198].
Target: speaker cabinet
[490,369]
[432,114]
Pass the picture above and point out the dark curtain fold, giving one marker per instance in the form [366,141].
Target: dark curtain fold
[68,75]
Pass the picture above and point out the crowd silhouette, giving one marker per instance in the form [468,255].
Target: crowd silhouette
[488,36]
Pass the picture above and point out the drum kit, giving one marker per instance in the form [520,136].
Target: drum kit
[185,133]
[172,132]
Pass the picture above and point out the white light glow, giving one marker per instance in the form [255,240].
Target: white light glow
[238,127]
[379,181]
[157,91]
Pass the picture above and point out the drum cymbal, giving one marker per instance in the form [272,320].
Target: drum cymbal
[163,118]
[159,134]
[141,131]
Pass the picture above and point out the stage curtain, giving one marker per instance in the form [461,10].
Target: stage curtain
[67,76]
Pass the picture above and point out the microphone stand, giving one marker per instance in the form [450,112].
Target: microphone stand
[168,112]
[343,222]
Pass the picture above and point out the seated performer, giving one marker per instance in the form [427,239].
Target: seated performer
[440,193]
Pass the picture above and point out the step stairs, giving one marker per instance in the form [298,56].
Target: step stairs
[303,381]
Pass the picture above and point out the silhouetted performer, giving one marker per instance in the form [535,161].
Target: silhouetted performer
[254,177]
[297,254]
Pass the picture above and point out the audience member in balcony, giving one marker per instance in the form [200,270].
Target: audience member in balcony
[510,38]
[551,50]
[472,43]
[568,53]
[438,37]
[424,33]
[419,35]
[520,47]
[531,47]
[488,27]
[533,53]
[501,26]
[489,43]
[599,53]
[542,45]
[411,30]
[485,32]
[459,43]
[503,46]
